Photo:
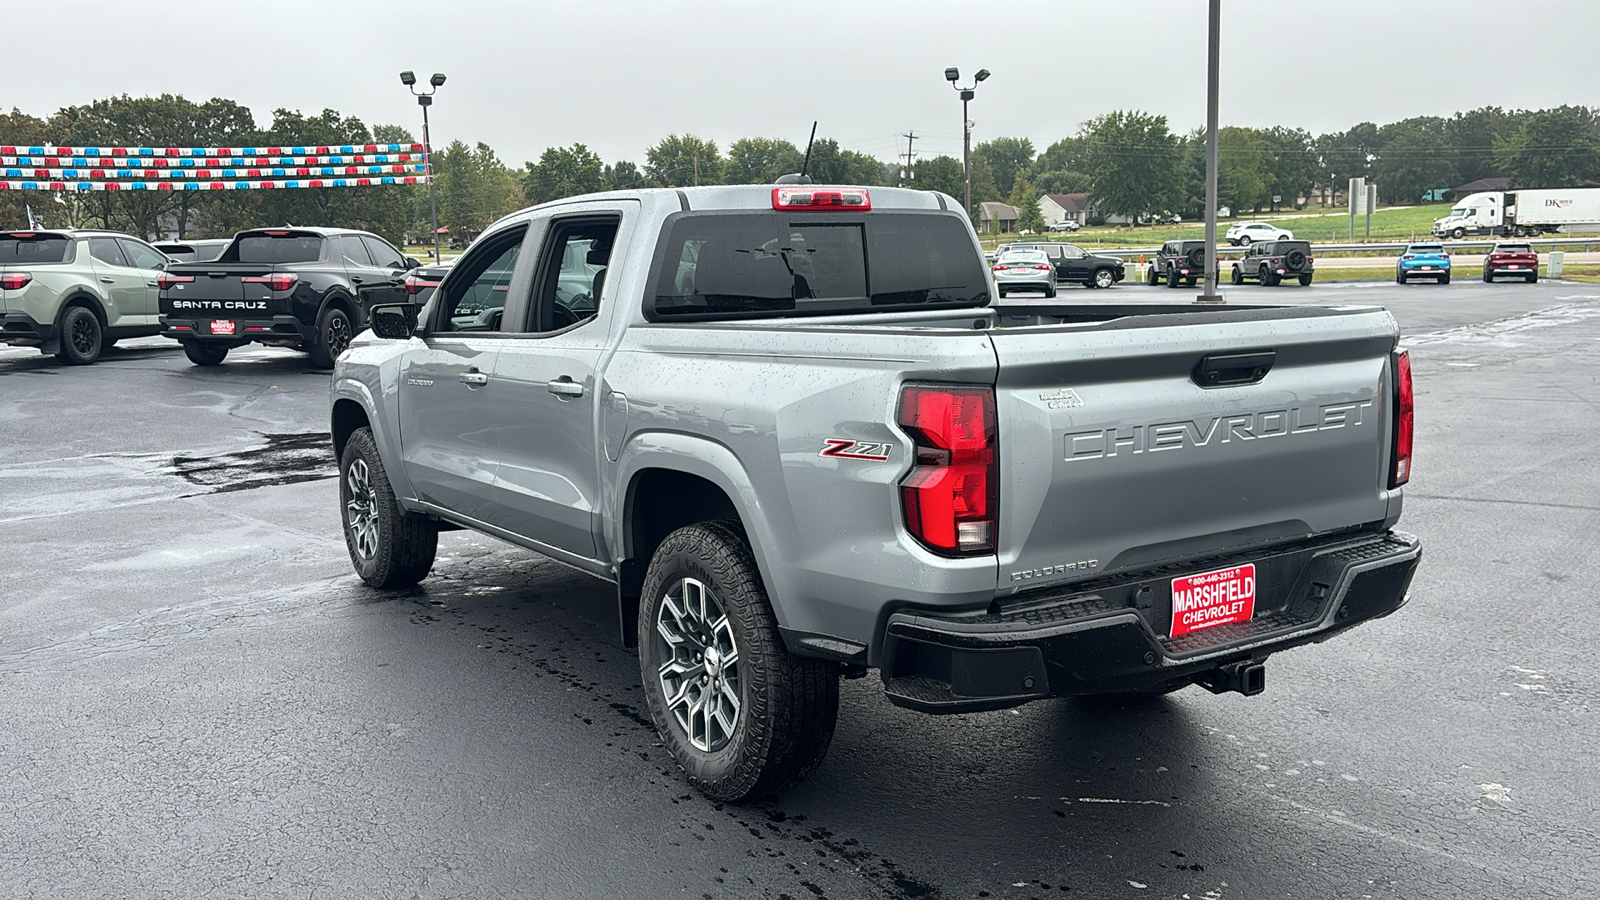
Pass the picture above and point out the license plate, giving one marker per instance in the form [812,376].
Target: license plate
[222,327]
[1214,598]
[1427,268]
[1513,268]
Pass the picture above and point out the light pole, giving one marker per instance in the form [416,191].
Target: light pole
[1214,41]
[953,76]
[425,100]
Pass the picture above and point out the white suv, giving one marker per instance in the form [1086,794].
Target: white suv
[1247,233]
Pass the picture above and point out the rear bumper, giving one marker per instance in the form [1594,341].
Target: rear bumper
[1432,268]
[1514,268]
[277,330]
[1109,636]
[20,328]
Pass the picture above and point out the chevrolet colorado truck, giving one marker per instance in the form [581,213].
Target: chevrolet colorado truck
[306,288]
[793,429]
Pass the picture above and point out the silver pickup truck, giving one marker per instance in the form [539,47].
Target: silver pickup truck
[793,429]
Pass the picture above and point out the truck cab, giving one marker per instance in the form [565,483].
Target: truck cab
[1481,213]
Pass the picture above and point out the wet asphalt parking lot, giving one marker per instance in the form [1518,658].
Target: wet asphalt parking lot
[199,699]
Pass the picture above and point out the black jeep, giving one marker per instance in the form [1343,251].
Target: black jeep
[1270,262]
[1178,262]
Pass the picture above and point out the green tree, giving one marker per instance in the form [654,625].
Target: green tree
[1007,158]
[1414,159]
[1026,200]
[940,173]
[1070,154]
[1133,164]
[1291,164]
[1242,169]
[475,188]
[622,176]
[760,160]
[563,172]
[1552,148]
[832,165]
[17,127]
[1062,182]
[682,161]
[1472,137]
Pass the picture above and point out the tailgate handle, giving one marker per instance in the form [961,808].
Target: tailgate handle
[1233,368]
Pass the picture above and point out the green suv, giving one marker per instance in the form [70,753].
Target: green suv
[74,293]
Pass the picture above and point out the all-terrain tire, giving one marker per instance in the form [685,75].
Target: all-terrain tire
[334,331]
[1237,277]
[81,336]
[205,354]
[1305,280]
[1172,280]
[400,547]
[1152,277]
[788,704]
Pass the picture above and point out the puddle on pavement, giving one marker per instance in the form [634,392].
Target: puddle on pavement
[286,459]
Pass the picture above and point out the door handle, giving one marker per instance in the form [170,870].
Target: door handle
[565,387]
[151,284]
[355,279]
[105,280]
[474,379]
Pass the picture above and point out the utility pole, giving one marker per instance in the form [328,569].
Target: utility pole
[1214,43]
[908,173]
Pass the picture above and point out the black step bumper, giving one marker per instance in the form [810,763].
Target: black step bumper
[1110,635]
[276,330]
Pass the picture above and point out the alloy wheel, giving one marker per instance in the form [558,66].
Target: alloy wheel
[700,667]
[84,335]
[361,510]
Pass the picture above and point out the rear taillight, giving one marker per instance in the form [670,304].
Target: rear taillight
[1042,268]
[14,281]
[277,281]
[856,199]
[1409,256]
[1000,268]
[415,285]
[165,281]
[1400,472]
[952,495]
[1274,260]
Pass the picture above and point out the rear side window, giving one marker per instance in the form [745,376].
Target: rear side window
[106,250]
[712,265]
[354,250]
[267,248]
[42,249]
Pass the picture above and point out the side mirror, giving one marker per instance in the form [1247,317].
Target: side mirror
[411,263]
[394,321]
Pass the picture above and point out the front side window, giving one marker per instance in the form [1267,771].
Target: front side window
[141,256]
[383,255]
[473,297]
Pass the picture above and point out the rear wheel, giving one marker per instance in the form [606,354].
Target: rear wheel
[81,336]
[205,354]
[1305,280]
[1399,277]
[334,332]
[1190,281]
[741,716]
[1487,278]
[1171,279]
[1445,278]
[1533,277]
[1049,290]
[389,547]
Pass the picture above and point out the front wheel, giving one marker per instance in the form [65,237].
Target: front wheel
[205,354]
[389,547]
[1152,277]
[1458,233]
[1237,276]
[1245,241]
[81,337]
[334,332]
[1103,278]
[741,716]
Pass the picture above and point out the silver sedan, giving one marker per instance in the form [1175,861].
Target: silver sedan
[1024,270]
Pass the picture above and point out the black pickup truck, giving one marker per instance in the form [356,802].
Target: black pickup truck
[307,288]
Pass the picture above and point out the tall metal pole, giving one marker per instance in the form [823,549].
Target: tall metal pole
[427,149]
[1214,42]
[966,149]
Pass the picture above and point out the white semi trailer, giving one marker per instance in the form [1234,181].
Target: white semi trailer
[1522,213]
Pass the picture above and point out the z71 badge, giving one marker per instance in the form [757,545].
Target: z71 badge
[841,448]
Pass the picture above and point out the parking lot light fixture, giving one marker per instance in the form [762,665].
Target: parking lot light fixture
[953,76]
[425,100]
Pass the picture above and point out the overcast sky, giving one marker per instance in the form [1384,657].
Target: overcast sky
[618,75]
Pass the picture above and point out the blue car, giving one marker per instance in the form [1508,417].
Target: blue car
[1424,261]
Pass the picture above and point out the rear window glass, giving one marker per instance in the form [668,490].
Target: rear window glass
[1514,248]
[1427,248]
[1023,256]
[176,250]
[32,250]
[712,265]
[261,248]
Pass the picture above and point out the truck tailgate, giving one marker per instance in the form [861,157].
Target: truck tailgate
[1124,446]
[221,289]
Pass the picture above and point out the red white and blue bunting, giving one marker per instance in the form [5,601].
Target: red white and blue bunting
[77,169]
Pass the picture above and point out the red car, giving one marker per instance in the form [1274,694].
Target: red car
[1511,259]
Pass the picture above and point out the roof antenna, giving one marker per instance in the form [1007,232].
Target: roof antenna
[802,177]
